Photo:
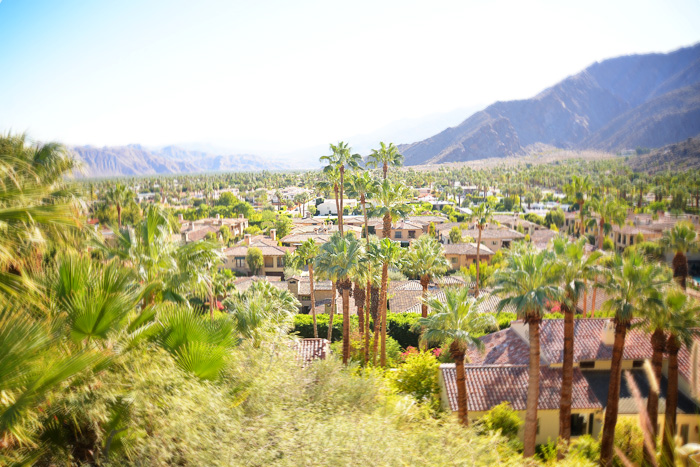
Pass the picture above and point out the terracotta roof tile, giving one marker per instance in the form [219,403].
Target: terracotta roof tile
[311,349]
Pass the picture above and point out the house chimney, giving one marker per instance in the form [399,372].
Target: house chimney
[246,239]
[607,336]
[273,234]
[180,217]
[240,216]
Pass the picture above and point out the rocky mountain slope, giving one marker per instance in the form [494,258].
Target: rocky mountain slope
[638,100]
[674,157]
[137,160]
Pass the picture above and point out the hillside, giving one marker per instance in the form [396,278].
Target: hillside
[137,160]
[676,157]
[624,102]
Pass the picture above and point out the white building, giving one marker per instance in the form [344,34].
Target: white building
[328,207]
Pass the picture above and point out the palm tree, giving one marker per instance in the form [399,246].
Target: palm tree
[481,215]
[305,253]
[629,281]
[681,239]
[339,258]
[609,212]
[574,267]
[457,320]
[387,253]
[426,261]
[385,156]
[390,203]
[579,187]
[362,186]
[683,326]
[118,196]
[341,158]
[529,284]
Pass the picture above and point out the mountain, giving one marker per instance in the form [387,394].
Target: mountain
[137,160]
[677,157]
[638,100]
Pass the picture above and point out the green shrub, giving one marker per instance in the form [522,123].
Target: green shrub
[608,244]
[504,319]
[400,326]
[629,439]
[501,418]
[304,325]
[547,452]
[585,447]
[418,376]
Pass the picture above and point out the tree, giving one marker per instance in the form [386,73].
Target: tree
[118,196]
[455,234]
[338,259]
[529,284]
[574,268]
[457,320]
[610,212]
[391,203]
[362,186]
[556,217]
[387,253]
[681,239]
[305,254]
[481,216]
[341,158]
[254,259]
[385,156]
[683,326]
[628,280]
[577,190]
[426,261]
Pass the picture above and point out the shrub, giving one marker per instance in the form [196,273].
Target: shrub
[608,244]
[501,418]
[547,452]
[418,376]
[585,447]
[400,326]
[504,319]
[629,439]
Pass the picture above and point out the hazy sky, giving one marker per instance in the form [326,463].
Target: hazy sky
[276,76]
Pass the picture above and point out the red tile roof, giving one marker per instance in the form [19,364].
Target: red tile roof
[501,348]
[312,349]
[489,385]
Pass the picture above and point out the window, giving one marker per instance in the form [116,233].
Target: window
[588,364]
[684,433]
[578,425]
[240,261]
[397,234]
[411,234]
[637,363]
[268,262]
[280,262]
[454,260]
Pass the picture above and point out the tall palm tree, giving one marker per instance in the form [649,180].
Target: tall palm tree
[385,157]
[426,261]
[610,212]
[578,189]
[118,196]
[457,320]
[629,281]
[529,284]
[340,256]
[305,254]
[341,158]
[683,326]
[362,186]
[387,253]
[681,239]
[481,215]
[391,203]
[574,268]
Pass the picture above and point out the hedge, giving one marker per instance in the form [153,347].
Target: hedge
[399,326]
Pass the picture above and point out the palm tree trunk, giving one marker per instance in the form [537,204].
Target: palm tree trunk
[585,298]
[533,389]
[669,441]
[340,213]
[595,291]
[462,408]
[330,318]
[337,203]
[382,312]
[313,297]
[680,268]
[611,408]
[375,343]
[658,344]
[424,282]
[385,168]
[601,236]
[478,260]
[119,215]
[346,324]
[368,297]
[567,379]
[386,228]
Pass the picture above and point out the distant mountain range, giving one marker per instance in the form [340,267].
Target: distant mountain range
[137,160]
[646,100]
[676,157]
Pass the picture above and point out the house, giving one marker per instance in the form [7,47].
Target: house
[192,231]
[273,255]
[402,231]
[494,237]
[515,222]
[460,255]
[309,350]
[320,233]
[329,208]
[300,287]
[499,373]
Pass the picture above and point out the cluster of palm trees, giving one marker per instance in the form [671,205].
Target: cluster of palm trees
[638,290]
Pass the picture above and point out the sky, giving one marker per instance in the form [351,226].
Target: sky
[275,77]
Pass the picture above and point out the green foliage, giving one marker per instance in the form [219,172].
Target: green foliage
[418,376]
[556,217]
[502,418]
[585,448]
[254,259]
[455,235]
[546,452]
[629,438]
[532,217]
[608,244]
